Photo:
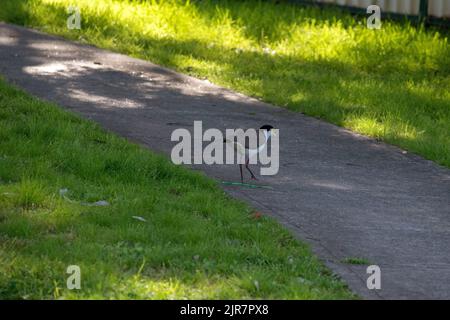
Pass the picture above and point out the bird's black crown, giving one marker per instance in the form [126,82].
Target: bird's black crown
[267,127]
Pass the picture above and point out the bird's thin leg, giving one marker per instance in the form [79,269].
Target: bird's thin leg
[246,165]
[242,176]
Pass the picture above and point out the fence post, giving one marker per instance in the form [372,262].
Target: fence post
[423,10]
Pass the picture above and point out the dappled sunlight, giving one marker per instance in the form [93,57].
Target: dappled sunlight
[331,185]
[390,84]
[158,286]
[104,102]
[367,125]
[64,69]
[319,42]
[8,41]
[49,68]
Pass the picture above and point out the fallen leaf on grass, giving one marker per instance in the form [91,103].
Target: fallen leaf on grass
[257,215]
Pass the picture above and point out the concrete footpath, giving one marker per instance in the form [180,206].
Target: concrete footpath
[345,194]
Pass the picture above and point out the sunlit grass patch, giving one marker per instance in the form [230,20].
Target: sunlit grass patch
[324,63]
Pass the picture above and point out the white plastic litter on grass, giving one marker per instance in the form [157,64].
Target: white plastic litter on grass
[139,218]
[101,203]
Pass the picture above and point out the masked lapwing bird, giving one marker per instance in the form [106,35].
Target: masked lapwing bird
[244,151]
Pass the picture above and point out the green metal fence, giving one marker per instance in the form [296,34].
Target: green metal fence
[423,10]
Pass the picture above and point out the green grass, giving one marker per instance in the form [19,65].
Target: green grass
[392,84]
[195,241]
